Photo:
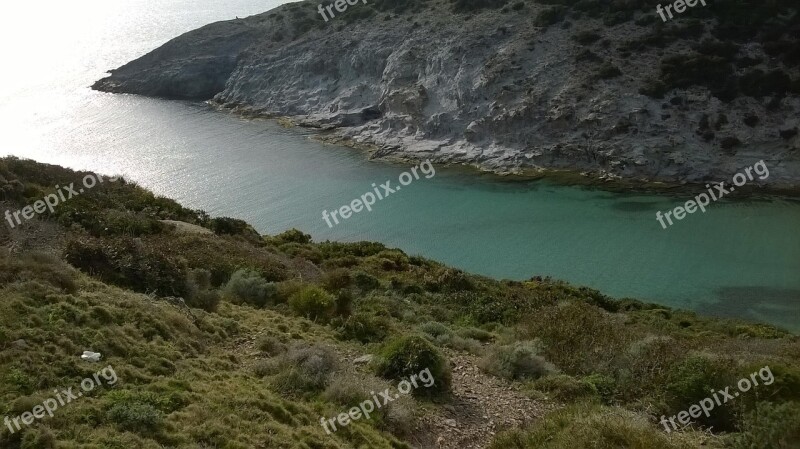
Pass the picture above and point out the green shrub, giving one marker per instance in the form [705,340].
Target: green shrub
[270,345]
[127,263]
[589,426]
[364,327]
[136,417]
[349,390]
[122,222]
[439,334]
[712,72]
[292,236]
[336,280]
[305,369]
[586,37]
[435,329]
[409,355]
[313,303]
[784,387]
[452,280]
[200,294]
[654,88]
[773,426]
[607,71]
[37,266]
[604,386]
[302,251]
[38,438]
[551,16]
[758,84]
[578,338]
[366,282]
[648,362]
[391,260]
[693,380]
[236,227]
[565,388]
[248,287]
[476,334]
[518,361]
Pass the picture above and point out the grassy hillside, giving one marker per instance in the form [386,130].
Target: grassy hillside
[229,339]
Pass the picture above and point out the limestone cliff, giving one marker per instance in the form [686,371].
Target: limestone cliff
[511,87]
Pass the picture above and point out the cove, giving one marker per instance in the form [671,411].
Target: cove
[739,259]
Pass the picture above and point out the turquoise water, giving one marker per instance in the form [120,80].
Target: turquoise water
[738,259]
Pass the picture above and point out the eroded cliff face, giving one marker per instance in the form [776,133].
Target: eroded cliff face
[489,89]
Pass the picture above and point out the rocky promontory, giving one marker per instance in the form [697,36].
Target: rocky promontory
[511,87]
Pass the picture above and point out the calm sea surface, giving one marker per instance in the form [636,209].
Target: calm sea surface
[739,259]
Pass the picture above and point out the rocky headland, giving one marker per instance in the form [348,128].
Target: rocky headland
[511,88]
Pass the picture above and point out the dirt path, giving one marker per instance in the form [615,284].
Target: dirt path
[481,406]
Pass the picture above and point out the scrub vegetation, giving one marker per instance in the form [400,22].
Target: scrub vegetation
[229,339]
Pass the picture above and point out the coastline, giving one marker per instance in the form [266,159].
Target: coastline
[600,180]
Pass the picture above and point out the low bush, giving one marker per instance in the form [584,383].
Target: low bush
[248,287]
[565,388]
[647,362]
[270,345]
[365,281]
[607,71]
[127,263]
[476,334]
[37,266]
[518,361]
[364,327]
[693,380]
[770,425]
[313,303]
[453,280]
[712,72]
[435,329]
[349,390]
[336,280]
[578,338]
[136,417]
[235,227]
[409,355]
[550,16]
[758,84]
[586,37]
[305,369]
[589,426]
[200,293]
[292,236]
[440,335]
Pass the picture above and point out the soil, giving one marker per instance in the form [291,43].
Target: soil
[481,405]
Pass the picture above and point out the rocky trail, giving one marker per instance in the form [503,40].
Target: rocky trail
[481,406]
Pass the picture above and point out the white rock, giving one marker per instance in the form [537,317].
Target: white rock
[90,356]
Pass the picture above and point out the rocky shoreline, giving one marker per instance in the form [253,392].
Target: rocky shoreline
[504,95]
[601,180]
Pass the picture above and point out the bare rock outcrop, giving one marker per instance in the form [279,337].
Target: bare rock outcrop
[489,89]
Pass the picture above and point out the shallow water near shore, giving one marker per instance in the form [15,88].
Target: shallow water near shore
[739,259]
